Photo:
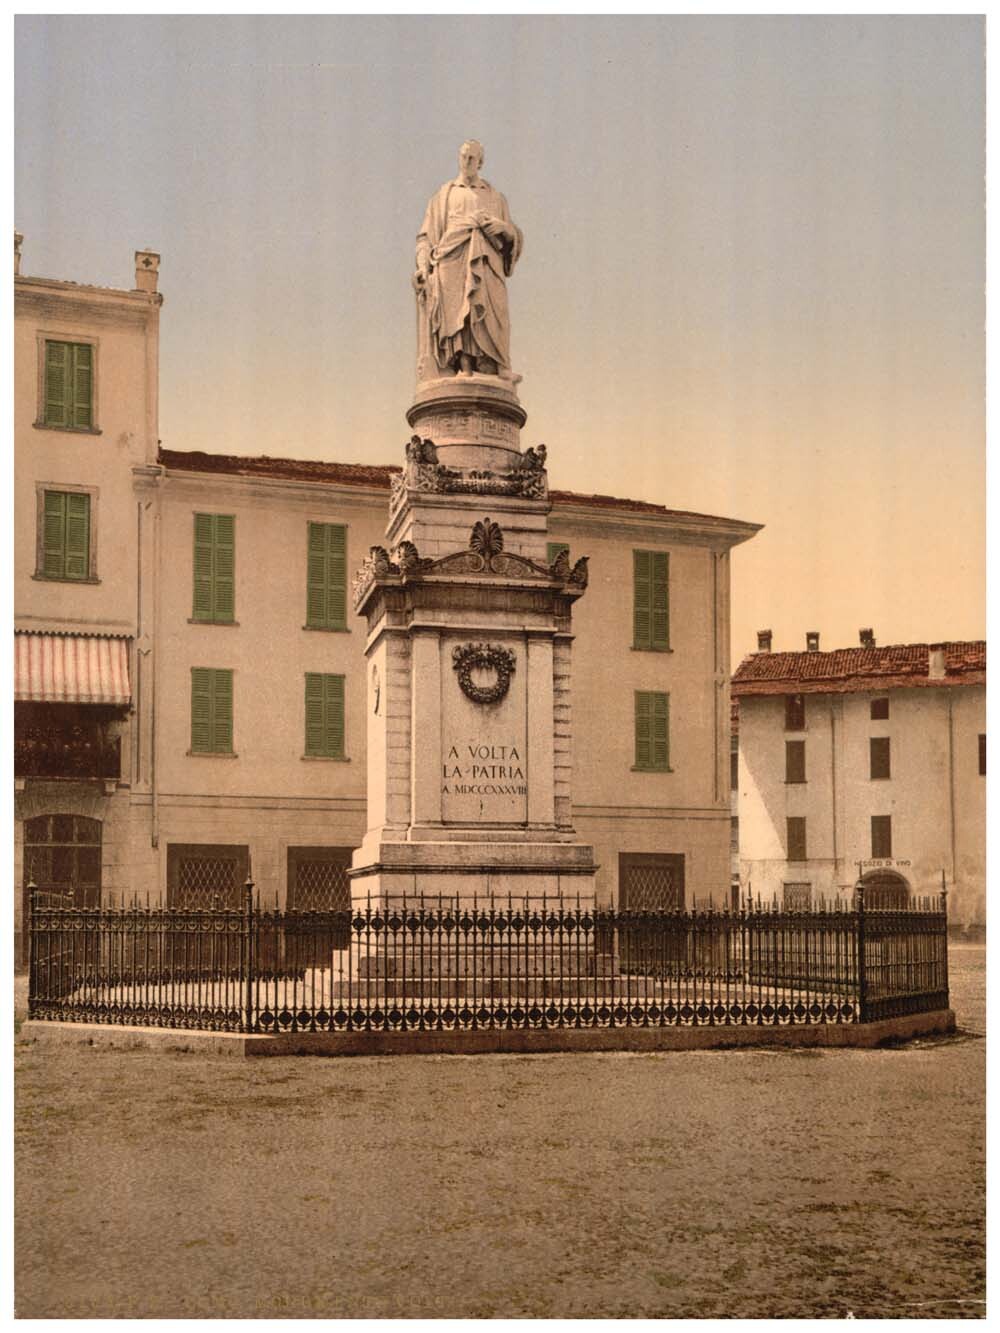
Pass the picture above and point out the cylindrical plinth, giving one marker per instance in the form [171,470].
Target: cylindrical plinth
[474,421]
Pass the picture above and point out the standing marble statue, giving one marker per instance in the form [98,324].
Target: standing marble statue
[466,249]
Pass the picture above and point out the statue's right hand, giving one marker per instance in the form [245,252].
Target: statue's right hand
[420,280]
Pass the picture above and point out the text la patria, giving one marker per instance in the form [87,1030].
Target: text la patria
[474,769]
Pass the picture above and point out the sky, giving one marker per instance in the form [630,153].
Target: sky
[752,283]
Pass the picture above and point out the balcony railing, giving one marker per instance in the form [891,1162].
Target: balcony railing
[77,753]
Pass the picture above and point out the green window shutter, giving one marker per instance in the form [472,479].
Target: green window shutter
[77,536]
[660,740]
[314,713]
[324,715]
[211,711]
[326,576]
[651,600]
[552,550]
[83,383]
[643,730]
[316,580]
[642,598]
[214,567]
[335,716]
[337,576]
[203,533]
[652,730]
[57,371]
[660,609]
[222,720]
[54,534]
[201,709]
[224,607]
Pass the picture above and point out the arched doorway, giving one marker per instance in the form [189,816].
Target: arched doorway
[885,891]
[63,852]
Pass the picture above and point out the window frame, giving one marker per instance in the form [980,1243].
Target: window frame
[797,820]
[881,745]
[214,618]
[231,753]
[797,748]
[797,886]
[879,716]
[42,488]
[790,706]
[44,336]
[327,627]
[325,755]
[193,851]
[651,767]
[884,825]
[652,646]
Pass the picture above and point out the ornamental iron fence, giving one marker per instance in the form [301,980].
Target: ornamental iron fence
[433,964]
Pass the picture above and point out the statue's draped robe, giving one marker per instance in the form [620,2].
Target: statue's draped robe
[466,291]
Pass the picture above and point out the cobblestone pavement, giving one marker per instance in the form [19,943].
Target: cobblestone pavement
[756,1183]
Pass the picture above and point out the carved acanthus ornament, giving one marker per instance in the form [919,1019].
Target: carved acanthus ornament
[485,555]
[424,474]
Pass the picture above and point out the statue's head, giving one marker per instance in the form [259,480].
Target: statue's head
[471,156]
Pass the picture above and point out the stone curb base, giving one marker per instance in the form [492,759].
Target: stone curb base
[111,1037]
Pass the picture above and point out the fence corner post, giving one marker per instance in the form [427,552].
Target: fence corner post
[30,938]
[944,938]
[862,961]
[248,955]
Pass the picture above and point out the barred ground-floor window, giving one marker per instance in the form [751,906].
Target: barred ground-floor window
[206,876]
[650,881]
[318,882]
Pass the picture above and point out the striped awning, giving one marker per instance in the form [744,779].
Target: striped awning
[71,669]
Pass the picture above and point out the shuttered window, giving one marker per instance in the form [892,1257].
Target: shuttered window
[797,897]
[652,731]
[324,716]
[326,577]
[882,836]
[69,385]
[651,600]
[795,761]
[795,712]
[795,828]
[211,711]
[65,535]
[214,567]
[879,756]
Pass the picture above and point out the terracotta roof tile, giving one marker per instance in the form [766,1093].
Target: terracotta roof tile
[290,469]
[848,670]
[360,474]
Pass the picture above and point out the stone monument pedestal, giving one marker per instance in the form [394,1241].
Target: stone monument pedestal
[468,658]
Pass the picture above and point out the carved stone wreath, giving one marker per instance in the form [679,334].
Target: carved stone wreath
[468,657]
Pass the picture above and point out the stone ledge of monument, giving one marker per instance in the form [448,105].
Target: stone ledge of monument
[508,849]
[486,1040]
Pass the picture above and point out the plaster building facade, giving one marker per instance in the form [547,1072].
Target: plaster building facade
[867,760]
[192,692]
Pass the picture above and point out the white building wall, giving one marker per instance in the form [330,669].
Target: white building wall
[935,795]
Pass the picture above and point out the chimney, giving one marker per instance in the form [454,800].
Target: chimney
[147,268]
[812,640]
[867,637]
[763,640]
[935,664]
[18,241]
